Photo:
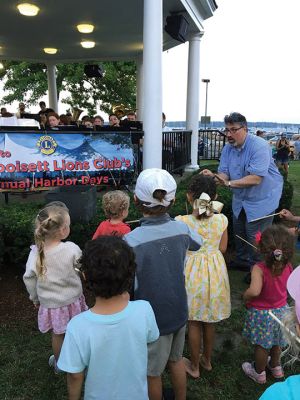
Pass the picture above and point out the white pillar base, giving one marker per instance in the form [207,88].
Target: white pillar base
[191,168]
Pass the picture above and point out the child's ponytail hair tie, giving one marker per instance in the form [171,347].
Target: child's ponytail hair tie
[277,253]
[257,237]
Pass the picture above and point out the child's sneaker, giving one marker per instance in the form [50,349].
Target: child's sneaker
[52,364]
[51,361]
[249,370]
[277,372]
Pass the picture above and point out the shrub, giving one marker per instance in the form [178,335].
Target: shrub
[16,220]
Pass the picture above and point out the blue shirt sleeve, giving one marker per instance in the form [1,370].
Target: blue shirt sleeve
[223,166]
[153,332]
[259,161]
[70,359]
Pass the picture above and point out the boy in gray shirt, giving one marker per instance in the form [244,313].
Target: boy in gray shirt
[160,246]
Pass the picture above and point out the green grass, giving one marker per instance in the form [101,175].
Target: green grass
[24,352]
[293,177]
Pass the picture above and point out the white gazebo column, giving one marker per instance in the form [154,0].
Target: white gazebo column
[52,89]
[152,99]
[192,103]
[139,89]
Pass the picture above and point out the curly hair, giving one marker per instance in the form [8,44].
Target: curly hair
[272,238]
[47,224]
[158,194]
[114,203]
[109,266]
[202,184]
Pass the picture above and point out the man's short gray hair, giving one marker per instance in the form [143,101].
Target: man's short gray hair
[235,118]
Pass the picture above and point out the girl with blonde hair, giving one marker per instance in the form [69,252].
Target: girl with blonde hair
[51,277]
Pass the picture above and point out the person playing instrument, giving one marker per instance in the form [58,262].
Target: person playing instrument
[114,121]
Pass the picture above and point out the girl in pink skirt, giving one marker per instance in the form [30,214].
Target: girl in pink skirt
[268,292]
[51,279]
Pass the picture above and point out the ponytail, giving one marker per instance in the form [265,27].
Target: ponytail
[47,223]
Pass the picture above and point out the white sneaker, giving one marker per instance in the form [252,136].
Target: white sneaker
[51,361]
[52,364]
[250,371]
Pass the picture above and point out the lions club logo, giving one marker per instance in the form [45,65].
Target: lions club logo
[47,145]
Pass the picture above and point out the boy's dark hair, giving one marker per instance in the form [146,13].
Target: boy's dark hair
[235,118]
[158,194]
[202,184]
[109,266]
[276,237]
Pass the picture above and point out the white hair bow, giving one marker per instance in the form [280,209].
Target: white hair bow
[205,205]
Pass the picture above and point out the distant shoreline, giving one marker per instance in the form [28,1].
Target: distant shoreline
[269,126]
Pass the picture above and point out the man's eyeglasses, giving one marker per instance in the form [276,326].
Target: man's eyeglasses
[232,130]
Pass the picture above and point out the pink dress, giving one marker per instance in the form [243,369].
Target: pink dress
[56,319]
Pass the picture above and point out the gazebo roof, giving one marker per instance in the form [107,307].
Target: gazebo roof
[118,29]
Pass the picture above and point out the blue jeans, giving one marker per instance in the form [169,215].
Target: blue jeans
[246,254]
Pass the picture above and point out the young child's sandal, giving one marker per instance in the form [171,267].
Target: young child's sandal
[277,372]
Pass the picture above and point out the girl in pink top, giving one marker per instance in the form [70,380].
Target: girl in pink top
[268,292]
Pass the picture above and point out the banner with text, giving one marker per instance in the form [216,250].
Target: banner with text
[31,160]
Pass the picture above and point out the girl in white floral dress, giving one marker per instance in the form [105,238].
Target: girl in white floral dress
[206,277]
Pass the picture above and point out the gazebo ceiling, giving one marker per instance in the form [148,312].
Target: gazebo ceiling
[118,32]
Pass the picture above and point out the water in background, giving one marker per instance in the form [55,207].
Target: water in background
[253,126]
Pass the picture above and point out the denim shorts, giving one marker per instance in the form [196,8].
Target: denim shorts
[165,348]
[282,159]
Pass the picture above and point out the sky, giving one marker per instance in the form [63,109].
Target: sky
[250,53]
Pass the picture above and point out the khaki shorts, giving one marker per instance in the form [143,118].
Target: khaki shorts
[165,348]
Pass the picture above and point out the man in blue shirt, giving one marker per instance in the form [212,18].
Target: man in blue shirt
[248,169]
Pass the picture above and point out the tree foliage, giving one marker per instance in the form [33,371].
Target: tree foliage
[28,82]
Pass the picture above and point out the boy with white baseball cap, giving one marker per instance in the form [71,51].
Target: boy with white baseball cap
[160,245]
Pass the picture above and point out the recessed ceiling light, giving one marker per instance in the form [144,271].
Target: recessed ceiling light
[30,10]
[50,50]
[85,28]
[87,44]
[1,65]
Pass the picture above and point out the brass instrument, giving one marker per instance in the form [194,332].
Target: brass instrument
[76,114]
[120,110]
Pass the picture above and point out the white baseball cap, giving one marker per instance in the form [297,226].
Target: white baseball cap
[153,179]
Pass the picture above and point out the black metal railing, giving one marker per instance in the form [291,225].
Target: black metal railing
[210,144]
[176,150]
